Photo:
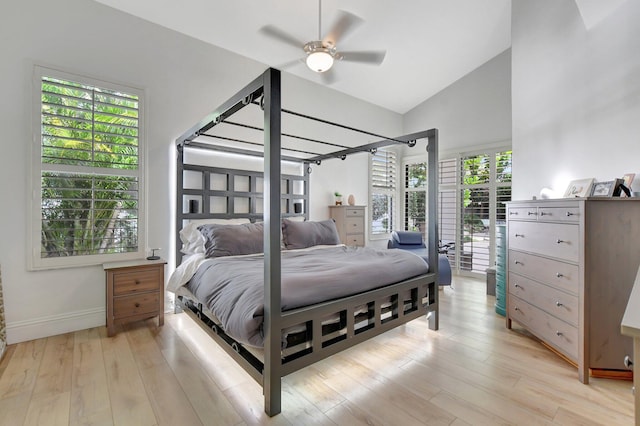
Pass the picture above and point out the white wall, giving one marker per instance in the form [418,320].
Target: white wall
[184,80]
[576,95]
[472,112]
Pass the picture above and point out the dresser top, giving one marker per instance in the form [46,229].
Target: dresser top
[575,199]
[129,263]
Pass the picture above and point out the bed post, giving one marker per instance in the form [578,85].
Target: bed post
[432,184]
[272,373]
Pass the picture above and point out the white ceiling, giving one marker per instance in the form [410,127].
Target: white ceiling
[429,43]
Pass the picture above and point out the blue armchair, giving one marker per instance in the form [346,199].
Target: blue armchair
[412,241]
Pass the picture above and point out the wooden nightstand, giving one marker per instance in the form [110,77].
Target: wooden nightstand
[135,291]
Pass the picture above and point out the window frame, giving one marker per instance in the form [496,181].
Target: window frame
[35,261]
[456,188]
[390,192]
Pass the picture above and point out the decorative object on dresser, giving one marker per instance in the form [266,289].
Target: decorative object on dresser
[571,265]
[135,291]
[350,224]
[579,188]
[351,200]
[338,198]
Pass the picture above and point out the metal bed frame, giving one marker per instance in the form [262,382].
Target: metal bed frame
[265,92]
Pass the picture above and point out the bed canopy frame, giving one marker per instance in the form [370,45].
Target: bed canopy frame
[265,92]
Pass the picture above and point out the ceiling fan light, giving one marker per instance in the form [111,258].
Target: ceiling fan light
[319,61]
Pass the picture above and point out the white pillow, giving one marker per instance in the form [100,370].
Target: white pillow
[193,240]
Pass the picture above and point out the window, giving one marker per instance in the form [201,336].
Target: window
[87,171]
[472,193]
[383,191]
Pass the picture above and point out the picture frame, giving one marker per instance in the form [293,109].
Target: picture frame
[628,179]
[579,188]
[604,189]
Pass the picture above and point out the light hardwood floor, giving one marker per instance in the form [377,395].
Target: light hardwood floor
[471,371]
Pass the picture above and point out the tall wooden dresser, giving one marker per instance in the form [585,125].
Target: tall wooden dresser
[350,223]
[571,264]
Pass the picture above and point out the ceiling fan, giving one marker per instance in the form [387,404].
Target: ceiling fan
[323,52]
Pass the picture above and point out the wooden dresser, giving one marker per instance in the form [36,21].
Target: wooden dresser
[350,223]
[135,291]
[571,264]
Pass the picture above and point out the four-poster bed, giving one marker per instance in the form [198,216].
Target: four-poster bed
[313,329]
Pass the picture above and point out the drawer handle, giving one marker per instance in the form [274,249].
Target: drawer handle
[517,262]
[516,308]
[545,214]
[558,303]
[559,275]
[559,241]
[513,213]
[519,235]
[517,286]
[137,305]
[531,213]
[569,214]
[559,333]
[628,363]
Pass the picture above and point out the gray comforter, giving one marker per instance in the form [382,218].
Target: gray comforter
[232,287]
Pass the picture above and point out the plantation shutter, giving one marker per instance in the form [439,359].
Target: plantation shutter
[384,173]
[90,174]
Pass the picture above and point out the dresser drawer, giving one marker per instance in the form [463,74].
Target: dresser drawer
[354,225]
[137,304]
[560,275]
[136,281]
[557,333]
[555,302]
[559,214]
[550,239]
[350,212]
[354,240]
[523,213]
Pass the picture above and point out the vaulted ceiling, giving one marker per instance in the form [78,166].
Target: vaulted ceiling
[429,44]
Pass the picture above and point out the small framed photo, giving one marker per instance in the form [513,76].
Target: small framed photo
[604,189]
[579,188]
[628,179]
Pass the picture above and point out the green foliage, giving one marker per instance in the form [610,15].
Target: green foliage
[86,213]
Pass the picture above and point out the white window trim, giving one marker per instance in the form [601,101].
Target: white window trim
[34,224]
[382,236]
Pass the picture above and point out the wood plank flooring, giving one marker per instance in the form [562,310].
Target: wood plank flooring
[473,371]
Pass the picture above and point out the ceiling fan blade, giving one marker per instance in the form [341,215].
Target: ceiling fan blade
[280,35]
[345,24]
[374,57]
[328,77]
[290,64]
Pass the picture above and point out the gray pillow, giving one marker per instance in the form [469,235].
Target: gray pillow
[232,240]
[299,235]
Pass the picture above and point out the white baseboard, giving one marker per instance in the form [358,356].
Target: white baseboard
[22,331]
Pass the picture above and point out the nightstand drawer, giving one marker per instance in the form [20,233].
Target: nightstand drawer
[127,306]
[355,225]
[350,212]
[354,240]
[135,281]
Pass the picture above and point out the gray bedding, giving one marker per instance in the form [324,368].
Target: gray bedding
[232,287]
